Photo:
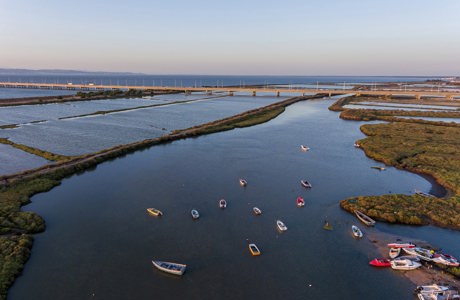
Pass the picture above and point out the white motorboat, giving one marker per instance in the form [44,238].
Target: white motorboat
[169,267]
[404,264]
[195,214]
[222,203]
[304,148]
[445,259]
[243,182]
[394,252]
[356,231]
[401,245]
[305,184]
[256,211]
[281,225]
[356,145]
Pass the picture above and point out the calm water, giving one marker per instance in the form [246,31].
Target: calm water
[6,93]
[13,160]
[99,239]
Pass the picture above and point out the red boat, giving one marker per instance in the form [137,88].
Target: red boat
[300,202]
[401,245]
[380,262]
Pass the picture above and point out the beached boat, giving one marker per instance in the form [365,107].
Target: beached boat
[424,254]
[169,267]
[365,219]
[394,252]
[356,145]
[436,292]
[404,264]
[256,210]
[243,182]
[380,262]
[401,245]
[222,203]
[305,184]
[254,250]
[154,212]
[410,257]
[300,202]
[356,231]
[445,259]
[378,168]
[195,214]
[420,193]
[304,148]
[281,225]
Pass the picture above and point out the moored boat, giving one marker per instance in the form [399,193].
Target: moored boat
[394,252]
[404,264]
[305,183]
[445,259]
[222,203]
[300,202]
[365,219]
[154,212]
[243,182]
[169,267]
[327,225]
[380,262]
[356,231]
[401,245]
[304,148]
[256,210]
[254,250]
[281,225]
[195,214]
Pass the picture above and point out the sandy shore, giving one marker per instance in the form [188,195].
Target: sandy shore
[425,275]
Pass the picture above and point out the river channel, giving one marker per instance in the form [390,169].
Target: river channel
[99,240]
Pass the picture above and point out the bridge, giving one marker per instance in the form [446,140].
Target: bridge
[230,90]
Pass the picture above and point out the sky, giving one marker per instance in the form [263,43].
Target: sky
[251,37]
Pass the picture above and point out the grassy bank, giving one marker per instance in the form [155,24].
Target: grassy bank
[17,227]
[45,154]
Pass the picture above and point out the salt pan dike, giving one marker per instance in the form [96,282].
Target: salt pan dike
[87,134]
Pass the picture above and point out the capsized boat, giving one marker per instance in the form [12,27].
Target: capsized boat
[445,259]
[404,264]
[257,210]
[254,250]
[169,267]
[380,262]
[281,225]
[394,252]
[300,202]
[154,212]
[195,214]
[401,245]
[222,203]
[356,231]
[304,148]
[243,182]
[365,219]
[305,184]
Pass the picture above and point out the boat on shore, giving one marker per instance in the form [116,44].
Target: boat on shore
[445,259]
[404,264]
[281,226]
[420,193]
[378,168]
[243,182]
[401,245]
[380,262]
[356,145]
[195,214]
[436,292]
[394,252]
[365,219]
[305,183]
[169,267]
[356,231]
[256,211]
[422,253]
[154,212]
[304,148]
[300,202]
[254,250]
[222,203]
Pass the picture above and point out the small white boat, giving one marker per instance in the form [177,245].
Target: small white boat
[169,267]
[304,148]
[431,288]
[281,225]
[195,214]
[222,203]
[256,211]
[254,250]
[420,193]
[356,231]
[154,212]
[401,245]
[404,264]
[436,292]
[394,252]
[356,145]
[445,259]
[243,182]
[365,219]
[305,184]
[378,168]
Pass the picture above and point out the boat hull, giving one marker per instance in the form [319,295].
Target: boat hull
[254,250]
[170,267]
[365,219]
